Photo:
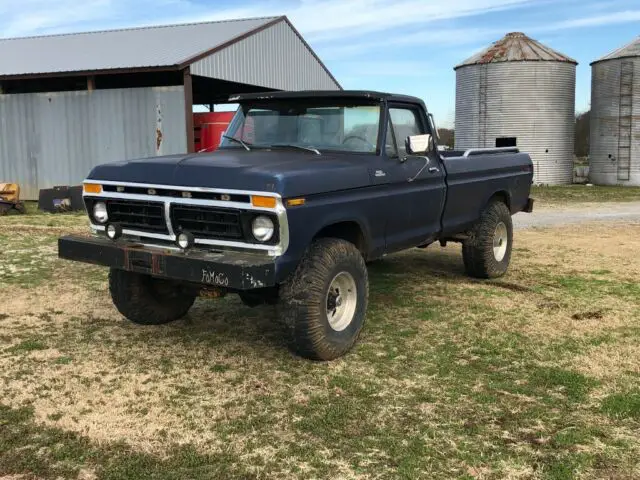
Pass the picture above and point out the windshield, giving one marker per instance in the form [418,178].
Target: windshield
[335,126]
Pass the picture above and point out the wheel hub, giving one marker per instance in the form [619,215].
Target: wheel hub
[500,241]
[342,299]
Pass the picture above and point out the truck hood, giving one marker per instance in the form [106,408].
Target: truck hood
[289,173]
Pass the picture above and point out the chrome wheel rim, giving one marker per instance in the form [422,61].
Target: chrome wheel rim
[342,299]
[500,240]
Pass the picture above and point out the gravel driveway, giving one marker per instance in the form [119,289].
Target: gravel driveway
[625,211]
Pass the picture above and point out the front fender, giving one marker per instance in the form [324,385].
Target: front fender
[305,222]
[344,217]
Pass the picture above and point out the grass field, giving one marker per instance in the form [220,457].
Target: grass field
[532,376]
[568,194]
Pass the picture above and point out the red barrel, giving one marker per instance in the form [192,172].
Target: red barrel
[209,128]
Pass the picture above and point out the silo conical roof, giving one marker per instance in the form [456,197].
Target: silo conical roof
[516,47]
[630,50]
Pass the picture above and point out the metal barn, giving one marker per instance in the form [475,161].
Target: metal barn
[614,150]
[521,93]
[70,102]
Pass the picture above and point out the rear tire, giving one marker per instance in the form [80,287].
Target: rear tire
[324,302]
[487,252]
[149,301]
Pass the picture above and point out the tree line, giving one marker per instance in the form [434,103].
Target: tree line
[583,124]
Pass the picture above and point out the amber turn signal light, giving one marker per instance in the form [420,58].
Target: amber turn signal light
[295,202]
[92,188]
[264,202]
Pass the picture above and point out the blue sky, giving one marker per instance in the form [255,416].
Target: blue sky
[406,46]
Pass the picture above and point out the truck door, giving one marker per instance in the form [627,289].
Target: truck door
[416,190]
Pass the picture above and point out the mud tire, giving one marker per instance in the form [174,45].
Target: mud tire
[304,299]
[478,250]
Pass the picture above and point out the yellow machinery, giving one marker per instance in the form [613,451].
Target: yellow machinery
[10,198]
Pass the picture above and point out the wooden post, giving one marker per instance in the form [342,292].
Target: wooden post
[91,83]
[188,109]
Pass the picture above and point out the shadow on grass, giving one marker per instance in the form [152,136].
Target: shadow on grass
[48,452]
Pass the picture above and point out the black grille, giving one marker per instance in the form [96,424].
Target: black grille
[205,222]
[136,215]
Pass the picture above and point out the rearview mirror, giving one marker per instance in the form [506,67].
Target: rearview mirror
[418,144]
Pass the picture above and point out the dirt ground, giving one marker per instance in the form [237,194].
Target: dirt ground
[549,215]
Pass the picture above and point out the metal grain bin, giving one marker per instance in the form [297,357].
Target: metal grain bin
[614,153]
[521,93]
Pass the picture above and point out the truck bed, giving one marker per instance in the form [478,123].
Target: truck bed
[474,175]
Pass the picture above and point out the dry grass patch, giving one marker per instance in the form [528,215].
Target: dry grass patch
[123,382]
[610,362]
[599,249]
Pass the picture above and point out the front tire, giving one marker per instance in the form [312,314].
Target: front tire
[487,252]
[149,301]
[263,296]
[324,302]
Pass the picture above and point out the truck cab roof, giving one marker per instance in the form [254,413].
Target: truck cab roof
[306,94]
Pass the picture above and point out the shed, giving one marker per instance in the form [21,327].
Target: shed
[72,101]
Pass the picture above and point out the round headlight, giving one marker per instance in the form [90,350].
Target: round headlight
[114,231]
[100,212]
[185,240]
[262,228]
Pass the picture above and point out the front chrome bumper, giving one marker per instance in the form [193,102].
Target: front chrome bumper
[227,269]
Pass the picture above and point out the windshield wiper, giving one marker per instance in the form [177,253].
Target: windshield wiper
[309,149]
[237,140]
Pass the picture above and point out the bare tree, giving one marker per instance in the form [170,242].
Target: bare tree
[447,137]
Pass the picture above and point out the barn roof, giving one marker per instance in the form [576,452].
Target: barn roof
[129,50]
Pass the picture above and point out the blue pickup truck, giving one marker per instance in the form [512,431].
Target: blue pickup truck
[304,191]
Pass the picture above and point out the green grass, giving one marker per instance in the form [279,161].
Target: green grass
[28,346]
[583,286]
[31,208]
[623,405]
[566,194]
[574,386]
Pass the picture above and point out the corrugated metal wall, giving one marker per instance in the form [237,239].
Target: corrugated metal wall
[273,58]
[49,139]
[614,152]
[533,101]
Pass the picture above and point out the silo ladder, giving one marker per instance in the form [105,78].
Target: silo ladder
[625,120]
[482,108]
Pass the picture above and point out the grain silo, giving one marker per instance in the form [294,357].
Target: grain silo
[521,93]
[614,152]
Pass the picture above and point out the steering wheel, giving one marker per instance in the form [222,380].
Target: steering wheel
[362,139]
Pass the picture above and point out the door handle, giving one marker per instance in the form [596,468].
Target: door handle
[433,169]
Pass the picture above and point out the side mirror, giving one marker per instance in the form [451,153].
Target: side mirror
[418,144]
